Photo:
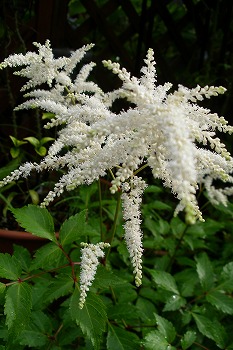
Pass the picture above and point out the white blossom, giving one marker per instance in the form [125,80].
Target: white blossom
[168,131]
[90,253]
[131,201]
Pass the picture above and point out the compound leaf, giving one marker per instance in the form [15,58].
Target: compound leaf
[36,220]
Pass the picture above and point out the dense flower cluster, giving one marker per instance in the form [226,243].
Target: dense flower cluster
[168,131]
[89,263]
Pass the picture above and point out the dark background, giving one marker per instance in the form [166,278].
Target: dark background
[192,40]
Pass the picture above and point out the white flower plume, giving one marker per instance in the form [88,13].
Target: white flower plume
[89,263]
[167,131]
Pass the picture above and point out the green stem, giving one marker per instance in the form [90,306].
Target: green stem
[114,222]
[100,212]
[176,249]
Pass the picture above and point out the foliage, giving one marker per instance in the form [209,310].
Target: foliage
[185,301]
[50,301]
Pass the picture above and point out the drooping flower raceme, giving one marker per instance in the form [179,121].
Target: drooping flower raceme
[167,131]
[89,263]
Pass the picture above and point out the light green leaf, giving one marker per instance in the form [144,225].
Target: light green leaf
[155,340]
[188,339]
[73,228]
[41,151]
[166,328]
[92,318]
[212,329]
[164,280]
[18,307]
[33,141]
[220,301]
[48,256]
[9,267]
[36,220]
[2,287]
[205,271]
[120,339]
[175,302]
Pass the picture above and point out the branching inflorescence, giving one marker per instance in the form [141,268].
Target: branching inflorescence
[168,131]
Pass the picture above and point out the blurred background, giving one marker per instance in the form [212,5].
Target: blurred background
[192,41]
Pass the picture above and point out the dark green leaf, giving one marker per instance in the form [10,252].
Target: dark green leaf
[212,329]
[205,271]
[18,307]
[33,338]
[188,339]
[220,301]
[23,256]
[92,318]
[9,267]
[60,286]
[73,228]
[175,302]
[123,311]
[155,340]
[227,277]
[164,280]
[104,278]
[120,339]
[36,220]
[48,256]
[166,328]
[146,309]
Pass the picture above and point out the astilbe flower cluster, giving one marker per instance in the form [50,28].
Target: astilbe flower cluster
[167,131]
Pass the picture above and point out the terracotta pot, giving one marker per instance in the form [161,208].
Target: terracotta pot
[8,238]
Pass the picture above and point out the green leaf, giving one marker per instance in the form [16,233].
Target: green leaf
[18,307]
[48,256]
[9,267]
[120,339]
[59,287]
[188,339]
[17,143]
[105,278]
[41,151]
[164,280]
[227,277]
[23,256]
[73,228]
[146,309]
[2,287]
[220,301]
[33,338]
[92,318]
[33,141]
[212,329]
[155,340]
[123,311]
[36,220]
[205,271]
[45,140]
[166,328]
[175,302]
